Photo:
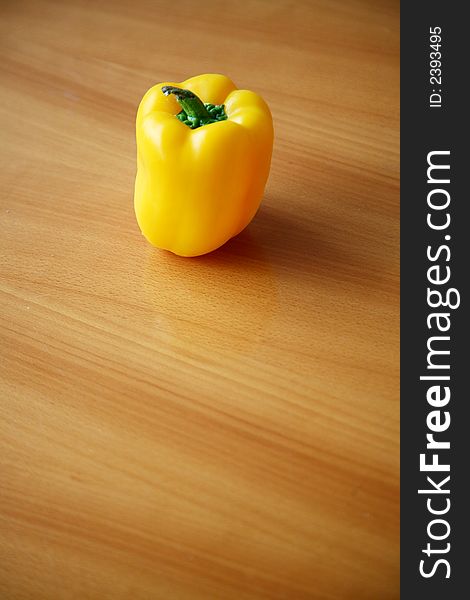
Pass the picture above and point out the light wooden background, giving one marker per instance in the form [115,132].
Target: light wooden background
[199,429]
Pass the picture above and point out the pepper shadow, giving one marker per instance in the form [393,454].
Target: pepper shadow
[320,244]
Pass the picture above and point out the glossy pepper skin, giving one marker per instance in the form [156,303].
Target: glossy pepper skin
[197,188]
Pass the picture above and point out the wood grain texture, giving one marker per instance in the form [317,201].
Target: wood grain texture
[199,429]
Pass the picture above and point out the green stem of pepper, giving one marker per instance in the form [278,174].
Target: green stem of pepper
[194,112]
[189,102]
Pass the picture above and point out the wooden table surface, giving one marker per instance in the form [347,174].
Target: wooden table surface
[216,428]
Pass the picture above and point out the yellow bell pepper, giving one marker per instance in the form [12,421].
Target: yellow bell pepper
[203,157]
